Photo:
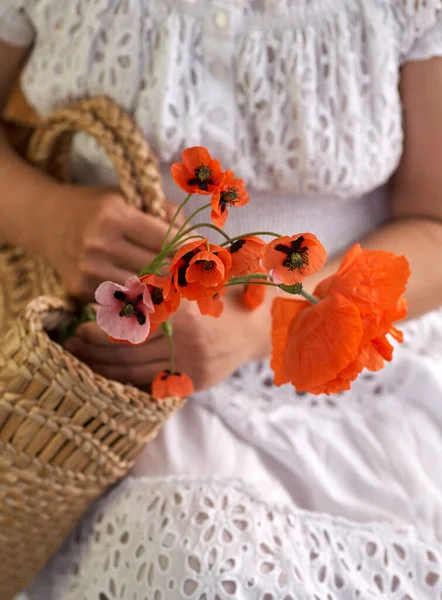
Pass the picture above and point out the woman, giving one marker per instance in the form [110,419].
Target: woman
[332,113]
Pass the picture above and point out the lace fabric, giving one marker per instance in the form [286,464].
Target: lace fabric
[300,96]
[170,537]
[167,539]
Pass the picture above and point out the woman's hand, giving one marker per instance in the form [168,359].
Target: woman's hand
[206,349]
[95,236]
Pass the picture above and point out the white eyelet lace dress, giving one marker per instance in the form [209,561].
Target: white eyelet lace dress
[251,491]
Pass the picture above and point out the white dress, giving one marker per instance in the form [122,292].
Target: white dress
[252,491]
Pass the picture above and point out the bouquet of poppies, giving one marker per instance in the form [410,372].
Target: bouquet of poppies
[320,342]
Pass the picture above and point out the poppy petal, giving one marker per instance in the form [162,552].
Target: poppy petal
[253,296]
[374,280]
[323,288]
[397,334]
[212,306]
[383,346]
[195,157]
[175,385]
[122,328]
[105,294]
[331,329]
[213,276]
[350,256]
[246,255]
[185,249]
[284,311]
[279,253]
[219,217]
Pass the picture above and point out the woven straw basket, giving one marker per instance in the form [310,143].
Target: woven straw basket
[66,434]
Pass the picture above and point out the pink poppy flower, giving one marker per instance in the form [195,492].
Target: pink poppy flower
[124,310]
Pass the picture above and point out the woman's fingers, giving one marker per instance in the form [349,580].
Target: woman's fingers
[146,231]
[119,354]
[138,375]
[138,365]
[131,257]
[91,343]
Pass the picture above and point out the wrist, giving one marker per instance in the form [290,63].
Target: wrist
[45,214]
[26,208]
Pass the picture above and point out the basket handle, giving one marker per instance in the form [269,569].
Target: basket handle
[100,117]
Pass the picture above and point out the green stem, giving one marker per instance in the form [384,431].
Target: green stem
[192,237]
[180,208]
[247,278]
[309,297]
[168,331]
[210,226]
[154,266]
[240,237]
[248,282]
[187,221]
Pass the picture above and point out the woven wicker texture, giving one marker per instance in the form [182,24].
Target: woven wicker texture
[66,434]
[25,277]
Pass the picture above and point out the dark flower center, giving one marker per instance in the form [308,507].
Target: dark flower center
[296,254]
[203,178]
[182,281]
[157,296]
[168,374]
[207,265]
[129,308]
[236,246]
[228,197]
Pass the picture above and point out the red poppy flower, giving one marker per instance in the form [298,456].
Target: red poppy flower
[246,255]
[292,259]
[165,298]
[199,173]
[345,330]
[371,278]
[207,269]
[254,294]
[171,385]
[314,343]
[232,192]
[200,269]
[212,306]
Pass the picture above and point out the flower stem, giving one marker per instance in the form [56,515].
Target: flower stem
[175,216]
[248,282]
[168,331]
[179,234]
[247,278]
[239,237]
[309,297]
[209,225]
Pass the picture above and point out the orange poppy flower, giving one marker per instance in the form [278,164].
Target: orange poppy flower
[254,294]
[371,278]
[207,269]
[171,385]
[246,255]
[314,343]
[212,306]
[343,329]
[165,298]
[200,269]
[232,192]
[294,258]
[199,173]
